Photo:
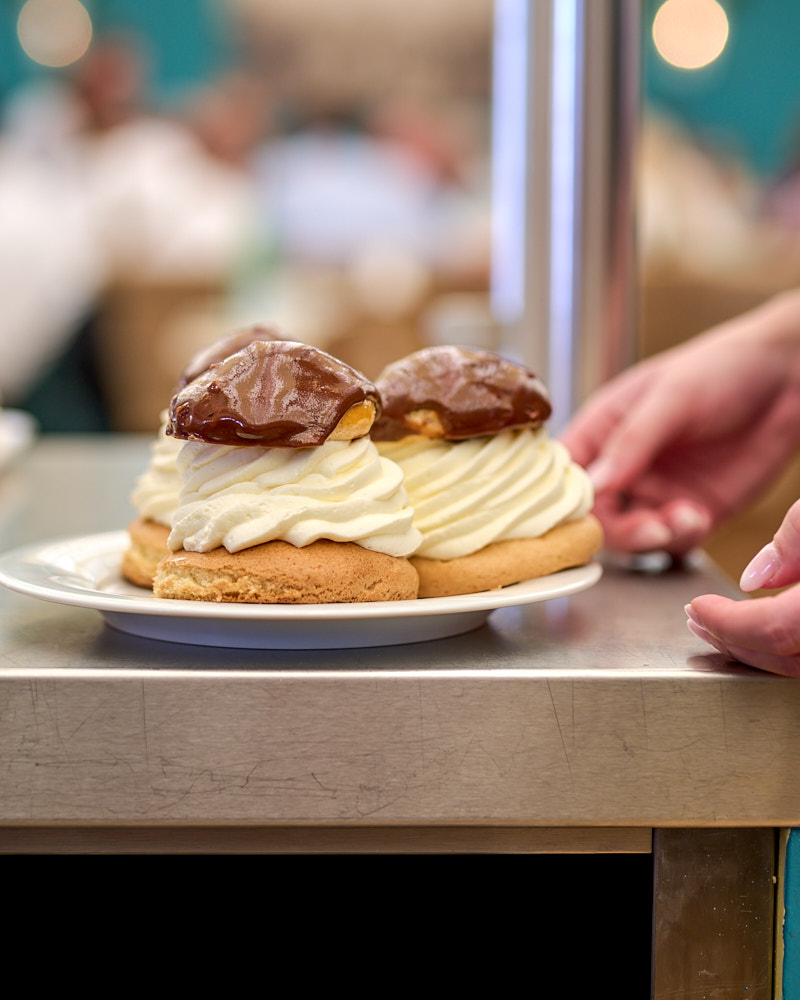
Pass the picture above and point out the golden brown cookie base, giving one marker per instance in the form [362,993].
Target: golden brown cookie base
[148,546]
[323,572]
[503,563]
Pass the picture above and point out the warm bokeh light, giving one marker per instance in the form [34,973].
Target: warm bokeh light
[54,32]
[690,33]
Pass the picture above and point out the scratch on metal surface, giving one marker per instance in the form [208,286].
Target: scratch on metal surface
[63,744]
[724,716]
[367,799]
[644,715]
[32,692]
[421,724]
[572,712]
[144,725]
[363,811]
[561,736]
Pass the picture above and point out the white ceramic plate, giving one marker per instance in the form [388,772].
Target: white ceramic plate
[84,572]
[17,431]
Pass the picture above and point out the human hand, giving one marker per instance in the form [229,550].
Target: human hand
[764,632]
[682,440]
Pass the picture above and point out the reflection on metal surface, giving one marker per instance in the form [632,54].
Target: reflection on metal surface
[606,712]
[564,269]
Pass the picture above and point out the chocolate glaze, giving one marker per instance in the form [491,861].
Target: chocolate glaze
[279,394]
[224,347]
[475,393]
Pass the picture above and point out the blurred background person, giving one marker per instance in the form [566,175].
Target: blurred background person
[102,193]
[52,266]
[234,163]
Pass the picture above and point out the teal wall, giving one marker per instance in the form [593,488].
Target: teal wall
[747,101]
[791,926]
[185,40]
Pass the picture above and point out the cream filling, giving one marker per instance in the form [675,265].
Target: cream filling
[155,494]
[242,496]
[469,494]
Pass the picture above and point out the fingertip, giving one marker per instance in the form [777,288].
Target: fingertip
[650,536]
[697,630]
[695,625]
[636,531]
[712,612]
[689,521]
[705,603]
[600,473]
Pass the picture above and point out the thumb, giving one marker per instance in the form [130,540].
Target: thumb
[778,563]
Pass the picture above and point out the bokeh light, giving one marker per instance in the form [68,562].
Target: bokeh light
[54,32]
[690,34]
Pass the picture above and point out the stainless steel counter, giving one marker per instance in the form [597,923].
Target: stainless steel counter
[596,710]
[590,723]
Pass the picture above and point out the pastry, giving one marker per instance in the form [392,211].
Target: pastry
[224,346]
[285,499]
[155,495]
[496,500]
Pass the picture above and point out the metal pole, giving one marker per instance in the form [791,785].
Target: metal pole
[566,111]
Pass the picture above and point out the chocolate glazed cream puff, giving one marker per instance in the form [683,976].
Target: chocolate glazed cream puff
[495,499]
[155,495]
[285,499]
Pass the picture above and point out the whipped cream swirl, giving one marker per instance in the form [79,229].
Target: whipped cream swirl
[468,494]
[242,496]
[155,495]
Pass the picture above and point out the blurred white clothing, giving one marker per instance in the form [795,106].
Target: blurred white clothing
[330,196]
[143,201]
[164,208]
[50,268]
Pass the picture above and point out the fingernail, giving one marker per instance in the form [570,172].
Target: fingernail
[761,568]
[691,613]
[697,630]
[599,473]
[689,520]
[650,536]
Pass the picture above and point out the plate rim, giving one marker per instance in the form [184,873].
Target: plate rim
[560,584]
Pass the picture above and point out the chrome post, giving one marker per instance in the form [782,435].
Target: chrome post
[566,104]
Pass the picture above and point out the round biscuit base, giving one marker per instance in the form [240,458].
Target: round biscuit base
[502,563]
[148,546]
[323,572]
